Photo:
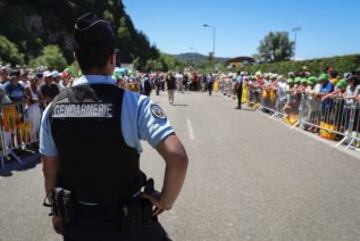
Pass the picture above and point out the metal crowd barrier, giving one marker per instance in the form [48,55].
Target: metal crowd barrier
[15,131]
[352,127]
[226,87]
[333,118]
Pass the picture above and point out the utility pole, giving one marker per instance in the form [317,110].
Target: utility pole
[295,31]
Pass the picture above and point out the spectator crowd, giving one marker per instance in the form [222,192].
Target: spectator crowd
[313,99]
[328,102]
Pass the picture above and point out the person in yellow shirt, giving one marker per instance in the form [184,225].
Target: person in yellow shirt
[334,77]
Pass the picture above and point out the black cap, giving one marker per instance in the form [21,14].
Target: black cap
[90,31]
[14,73]
[39,75]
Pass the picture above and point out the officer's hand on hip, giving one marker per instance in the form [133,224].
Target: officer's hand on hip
[58,224]
[154,198]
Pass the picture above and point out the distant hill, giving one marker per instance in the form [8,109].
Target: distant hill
[196,58]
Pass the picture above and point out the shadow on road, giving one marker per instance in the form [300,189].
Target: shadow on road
[28,162]
[180,105]
[245,109]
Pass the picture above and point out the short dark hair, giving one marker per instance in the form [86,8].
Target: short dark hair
[94,41]
[92,57]
[334,74]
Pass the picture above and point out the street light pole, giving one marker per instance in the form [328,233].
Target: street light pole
[295,31]
[214,36]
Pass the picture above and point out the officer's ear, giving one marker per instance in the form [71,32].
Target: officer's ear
[112,59]
[75,56]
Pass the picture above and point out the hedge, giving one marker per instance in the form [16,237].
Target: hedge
[341,63]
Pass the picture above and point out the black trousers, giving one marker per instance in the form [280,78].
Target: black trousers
[92,230]
[105,224]
[239,96]
[210,88]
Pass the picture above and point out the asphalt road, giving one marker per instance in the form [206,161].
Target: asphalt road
[249,178]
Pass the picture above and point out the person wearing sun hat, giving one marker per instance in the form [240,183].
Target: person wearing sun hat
[325,85]
[312,102]
[297,81]
[312,80]
[326,88]
[13,89]
[49,90]
[280,87]
[290,83]
[303,84]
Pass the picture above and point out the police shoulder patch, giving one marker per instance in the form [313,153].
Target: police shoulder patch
[157,111]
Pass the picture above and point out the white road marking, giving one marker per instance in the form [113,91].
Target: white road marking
[191,131]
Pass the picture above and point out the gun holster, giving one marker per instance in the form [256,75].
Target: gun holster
[138,211]
[62,204]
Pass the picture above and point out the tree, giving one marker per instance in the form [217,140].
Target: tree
[31,25]
[275,47]
[9,53]
[52,57]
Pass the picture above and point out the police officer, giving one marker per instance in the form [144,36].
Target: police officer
[90,145]
[210,83]
[239,88]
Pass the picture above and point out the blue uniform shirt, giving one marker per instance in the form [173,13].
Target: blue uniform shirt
[139,121]
[239,80]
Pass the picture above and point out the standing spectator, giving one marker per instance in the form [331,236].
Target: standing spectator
[147,86]
[185,81]
[326,88]
[4,75]
[57,79]
[210,83]
[194,82]
[157,84]
[13,88]
[162,82]
[334,77]
[281,93]
[34,99]
[49,90]
[179,80]
[4,99]
[258,85]
[171,86]
[239,88]
[65,82]
[204,82]
[24,77]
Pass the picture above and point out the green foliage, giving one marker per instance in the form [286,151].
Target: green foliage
[31,26]
[9,53]
[341,63]
[74,69]
[275,47]
[51,57]
[154,65]
[171,63]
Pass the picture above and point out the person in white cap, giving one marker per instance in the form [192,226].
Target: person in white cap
[56,79]
[49,90]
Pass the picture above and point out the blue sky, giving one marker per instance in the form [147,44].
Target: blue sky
[328,27]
